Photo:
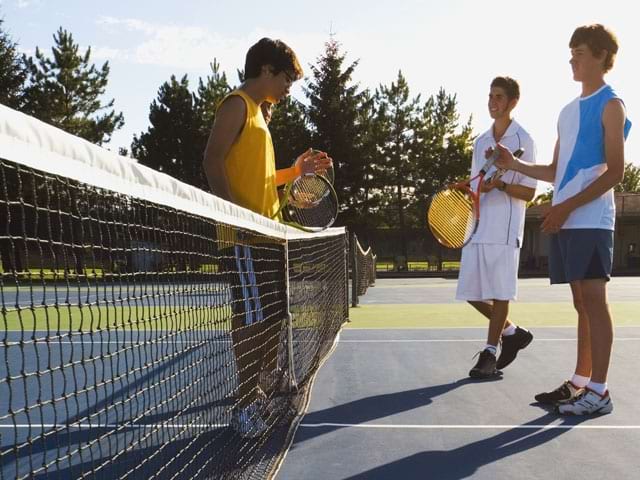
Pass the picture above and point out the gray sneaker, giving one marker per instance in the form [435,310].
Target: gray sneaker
[590,403]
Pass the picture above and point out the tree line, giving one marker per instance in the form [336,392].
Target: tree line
[392,150]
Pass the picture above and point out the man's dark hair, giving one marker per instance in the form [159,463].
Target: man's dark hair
[275,53]
[509,85]
[598,38]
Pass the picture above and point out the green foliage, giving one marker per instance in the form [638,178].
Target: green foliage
[12,72]
[289,131]
[65,91]
[631,181]
[337,128]
[180,123]
[174,142]
[542,198]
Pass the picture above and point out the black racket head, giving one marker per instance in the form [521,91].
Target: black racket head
[452,216]
[312,203]
[329,174]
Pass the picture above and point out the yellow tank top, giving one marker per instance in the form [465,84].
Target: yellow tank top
[250,164]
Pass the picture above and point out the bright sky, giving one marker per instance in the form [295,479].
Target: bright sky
[458,44]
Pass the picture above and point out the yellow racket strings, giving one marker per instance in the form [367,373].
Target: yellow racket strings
[452,217]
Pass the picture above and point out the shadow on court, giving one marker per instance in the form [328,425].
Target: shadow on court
[464,461]
[377,406]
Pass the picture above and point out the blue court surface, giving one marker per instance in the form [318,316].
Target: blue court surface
[397,404]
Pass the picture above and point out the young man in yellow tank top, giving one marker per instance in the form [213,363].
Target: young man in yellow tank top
[239,162]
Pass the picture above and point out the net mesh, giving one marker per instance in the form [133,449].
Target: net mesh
[139,340]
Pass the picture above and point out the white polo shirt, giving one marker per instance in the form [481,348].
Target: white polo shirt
[501,215]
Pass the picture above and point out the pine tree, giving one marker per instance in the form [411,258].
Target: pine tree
[210,93]
[12,72]
[336,128]
[65,91]
[398,115]
[289,131]
[175,141]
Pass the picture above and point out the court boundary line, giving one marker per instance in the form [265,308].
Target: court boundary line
[470,427]
[455,340]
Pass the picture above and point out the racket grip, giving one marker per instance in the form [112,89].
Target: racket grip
[490,161]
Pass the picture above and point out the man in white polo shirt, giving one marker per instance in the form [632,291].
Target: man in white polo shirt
[489,265]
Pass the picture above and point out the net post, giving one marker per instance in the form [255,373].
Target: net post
[354,271]
[293,384]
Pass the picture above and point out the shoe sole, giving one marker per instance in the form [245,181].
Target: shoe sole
[485,376]
[601,411]
[515,356]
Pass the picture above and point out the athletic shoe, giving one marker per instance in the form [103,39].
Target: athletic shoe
[511,344]
[589,403]
[486,366]
[565,393]
[247,421]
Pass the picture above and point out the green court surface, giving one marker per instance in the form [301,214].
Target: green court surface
[449,315]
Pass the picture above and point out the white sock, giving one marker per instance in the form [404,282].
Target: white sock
[492,348]
[599,388]
[510,330]
[579,381]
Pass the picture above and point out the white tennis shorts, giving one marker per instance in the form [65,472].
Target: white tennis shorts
[488,272]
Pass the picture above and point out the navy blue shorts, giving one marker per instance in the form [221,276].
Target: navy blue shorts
[580,254]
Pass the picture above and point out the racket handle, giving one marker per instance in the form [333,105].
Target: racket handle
[492,158]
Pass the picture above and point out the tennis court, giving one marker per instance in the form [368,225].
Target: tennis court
[394,399]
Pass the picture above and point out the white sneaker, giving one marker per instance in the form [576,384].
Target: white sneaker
[248,422]
[589,403]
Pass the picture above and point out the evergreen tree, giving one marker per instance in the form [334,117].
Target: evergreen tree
[289,131]
[398,116]
[65,91]
[210,93]
[12,72]
[443,149]
[175,141]
[336,127]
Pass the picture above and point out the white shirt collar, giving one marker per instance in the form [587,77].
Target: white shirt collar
[511,131]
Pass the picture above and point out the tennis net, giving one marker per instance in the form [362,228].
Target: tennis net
[149,329]
[363,269]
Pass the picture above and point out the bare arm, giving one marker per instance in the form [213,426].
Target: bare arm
[520,192]
[227,126]
[310,161]
[545,173]
[613,119]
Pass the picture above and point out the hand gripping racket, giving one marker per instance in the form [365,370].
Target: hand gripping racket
[454,212]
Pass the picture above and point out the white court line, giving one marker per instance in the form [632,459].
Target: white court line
[454,340]
[340,425]
[479,327]
[81,426]
[472,427]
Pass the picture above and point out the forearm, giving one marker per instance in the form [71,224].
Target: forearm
[519,191]
[545,173]
[216,177]
[604,183]
[286,175]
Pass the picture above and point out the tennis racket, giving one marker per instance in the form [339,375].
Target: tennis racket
[309,203]
[454,212]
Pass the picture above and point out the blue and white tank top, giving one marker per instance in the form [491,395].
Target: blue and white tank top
[581,159]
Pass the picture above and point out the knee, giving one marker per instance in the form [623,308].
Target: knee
[579,305]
